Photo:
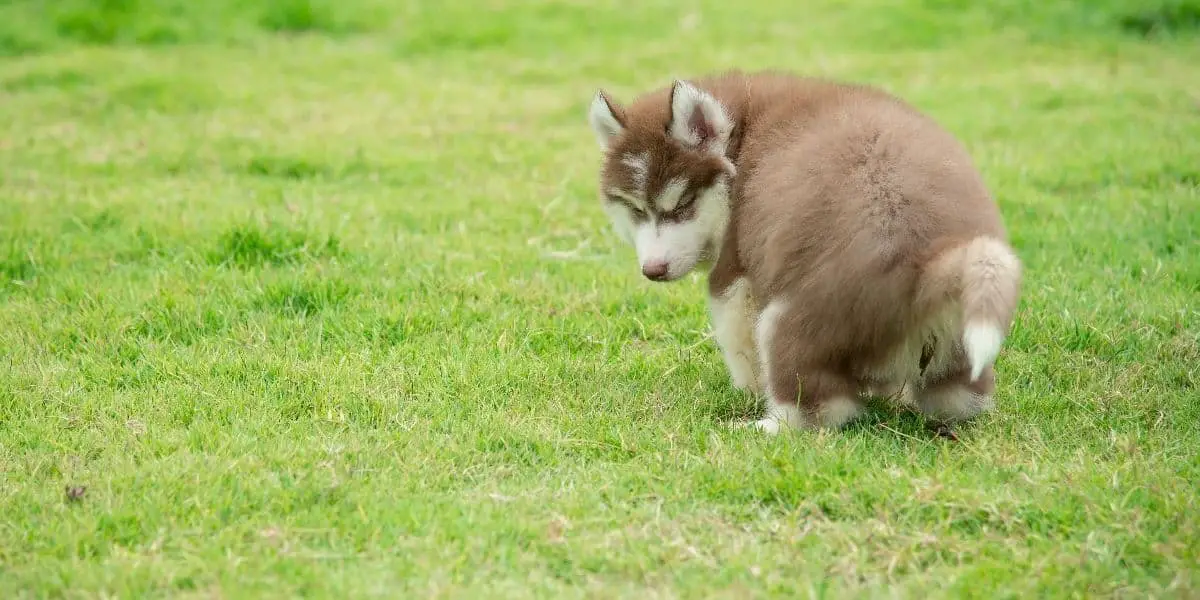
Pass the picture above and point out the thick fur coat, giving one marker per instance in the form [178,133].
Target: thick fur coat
[851,245]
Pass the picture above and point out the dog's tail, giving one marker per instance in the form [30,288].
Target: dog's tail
[983,275]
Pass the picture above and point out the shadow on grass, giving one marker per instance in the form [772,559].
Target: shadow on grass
[880,419]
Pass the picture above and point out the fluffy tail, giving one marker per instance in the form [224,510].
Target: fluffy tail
[984,276]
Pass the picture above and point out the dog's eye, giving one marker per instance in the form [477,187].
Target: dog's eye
[683,208]
[686,200]
[638,213]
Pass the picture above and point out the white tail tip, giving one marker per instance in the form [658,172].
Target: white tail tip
[982,343]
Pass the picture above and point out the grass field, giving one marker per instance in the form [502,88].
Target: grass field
[316,299]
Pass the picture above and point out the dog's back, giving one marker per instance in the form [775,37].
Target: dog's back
[871,225]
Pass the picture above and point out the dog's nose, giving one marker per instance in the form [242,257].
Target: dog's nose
[655,271]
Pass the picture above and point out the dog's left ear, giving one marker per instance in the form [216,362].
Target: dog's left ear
[698,119]
[606,119]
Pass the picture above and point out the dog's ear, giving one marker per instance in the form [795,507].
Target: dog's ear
[606,118]
[698,120]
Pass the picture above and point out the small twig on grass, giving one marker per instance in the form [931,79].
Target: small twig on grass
[905,435]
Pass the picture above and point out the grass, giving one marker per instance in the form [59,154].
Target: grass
[315,298]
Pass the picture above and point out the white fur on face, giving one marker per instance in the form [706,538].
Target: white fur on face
[621,219]
[681,245]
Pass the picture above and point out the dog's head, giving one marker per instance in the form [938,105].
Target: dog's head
[666,180]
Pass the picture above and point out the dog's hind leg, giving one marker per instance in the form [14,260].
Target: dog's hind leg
[799,392]
[956,397]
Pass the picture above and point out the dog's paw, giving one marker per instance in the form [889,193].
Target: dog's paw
[778,418]
[769,426]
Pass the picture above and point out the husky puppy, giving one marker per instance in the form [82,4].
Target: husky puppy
[851,246]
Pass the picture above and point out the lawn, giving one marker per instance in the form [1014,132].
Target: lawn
[311,298]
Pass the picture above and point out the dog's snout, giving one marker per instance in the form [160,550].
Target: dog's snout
[655,270]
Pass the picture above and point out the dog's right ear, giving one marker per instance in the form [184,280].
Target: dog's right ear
[606,119]
[698,120]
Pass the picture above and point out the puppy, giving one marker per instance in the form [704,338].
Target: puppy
[852,248]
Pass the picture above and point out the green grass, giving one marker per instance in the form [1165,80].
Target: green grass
[316,298]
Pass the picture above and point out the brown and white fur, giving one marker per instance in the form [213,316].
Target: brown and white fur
[851,246]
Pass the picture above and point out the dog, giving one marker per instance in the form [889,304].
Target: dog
[851,246]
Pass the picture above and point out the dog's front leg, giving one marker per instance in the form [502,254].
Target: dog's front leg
[734,314]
